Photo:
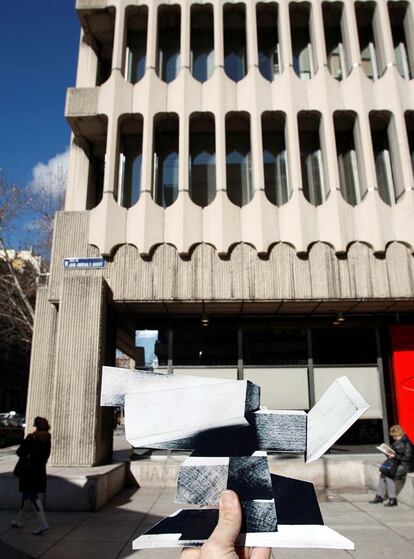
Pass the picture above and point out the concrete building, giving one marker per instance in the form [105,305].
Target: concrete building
[245,169]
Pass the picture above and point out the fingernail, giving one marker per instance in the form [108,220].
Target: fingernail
[227,500]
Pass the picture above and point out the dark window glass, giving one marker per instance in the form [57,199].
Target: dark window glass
[344,346]
[194,344]
[268,41]
[274,346]
[169,43]
[202,42]
[235,59]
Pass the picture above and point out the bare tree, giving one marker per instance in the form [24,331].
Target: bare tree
[26,222]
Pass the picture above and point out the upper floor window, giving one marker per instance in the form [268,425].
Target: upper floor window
[303,62]
[99,29]
[92,144]
[169,37]
[385,155]
[136,49]
[275,166]
[346,138]
[313,178]
[268,40]
[368,38]
[130,161]
[202,42]
[235,53]
[409,122]
[402,37]
[202,159]
[335,50]
[165,189]
[238,159]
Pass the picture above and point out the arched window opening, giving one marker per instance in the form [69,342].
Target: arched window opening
[238,159]
[268,40]
[99,29]
[275,164]
[130,161]
[165,171]
[313,179]
[303,62]
[385,156]
[333,22]
[402,36]
[235,53]
[202,159]
[202,42]
[368,38]
[169,37]
[409,122]
[346,139]
[90,150]
[136,47]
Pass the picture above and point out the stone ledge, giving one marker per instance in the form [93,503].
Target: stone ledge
[405,489]
[330,472]
[68,489]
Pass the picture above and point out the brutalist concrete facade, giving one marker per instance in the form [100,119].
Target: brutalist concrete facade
[307,253]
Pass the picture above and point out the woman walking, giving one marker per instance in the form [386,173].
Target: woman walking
[402,453]
[33,454]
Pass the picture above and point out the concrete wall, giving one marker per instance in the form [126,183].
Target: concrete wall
[259,223]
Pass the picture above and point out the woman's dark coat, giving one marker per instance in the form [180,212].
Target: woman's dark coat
[404,452]
[35,448]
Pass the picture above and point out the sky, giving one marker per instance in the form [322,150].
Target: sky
[38,55]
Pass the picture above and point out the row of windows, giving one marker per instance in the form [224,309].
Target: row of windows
[271,58]
[189,343]
[239,175]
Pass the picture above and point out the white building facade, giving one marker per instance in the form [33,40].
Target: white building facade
[245,169]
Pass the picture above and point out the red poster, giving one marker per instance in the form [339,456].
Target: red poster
[402,346]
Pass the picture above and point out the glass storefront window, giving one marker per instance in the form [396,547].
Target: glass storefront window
[196,345]
[154,344]
[344,346]
[274,346]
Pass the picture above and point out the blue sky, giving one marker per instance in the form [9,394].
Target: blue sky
[38,54]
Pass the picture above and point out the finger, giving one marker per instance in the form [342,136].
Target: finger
[229,522]
[260,553]
[243,552]
[190,553]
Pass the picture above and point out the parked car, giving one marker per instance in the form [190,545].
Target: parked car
[12,427]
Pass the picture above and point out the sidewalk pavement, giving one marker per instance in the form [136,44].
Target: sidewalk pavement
[378,532]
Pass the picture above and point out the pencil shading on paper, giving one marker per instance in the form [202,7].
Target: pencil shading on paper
[249,477]
[282,431]
[201,481]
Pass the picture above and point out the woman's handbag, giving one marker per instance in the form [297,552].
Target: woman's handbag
[389,467]
[22,467]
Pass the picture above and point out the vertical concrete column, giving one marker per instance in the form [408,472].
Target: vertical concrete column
[77,418]
[42,362]
[251,35]
[87,64]
[118,54]
[77,188]
[383,34]
[185,32]
[218,35]
[350,34]
[152,36]
[317,35]
[284,34]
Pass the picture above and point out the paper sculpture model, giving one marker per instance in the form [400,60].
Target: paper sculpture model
[222,423]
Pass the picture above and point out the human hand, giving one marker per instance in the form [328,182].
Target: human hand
[220,545]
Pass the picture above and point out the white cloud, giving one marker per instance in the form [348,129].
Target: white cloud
[51,176]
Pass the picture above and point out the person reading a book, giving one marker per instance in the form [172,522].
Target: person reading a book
[400,461]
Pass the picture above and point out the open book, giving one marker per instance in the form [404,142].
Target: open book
[385,449]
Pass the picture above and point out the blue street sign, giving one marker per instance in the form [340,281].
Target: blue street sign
[84,263]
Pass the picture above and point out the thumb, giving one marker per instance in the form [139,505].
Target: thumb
[229,523]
